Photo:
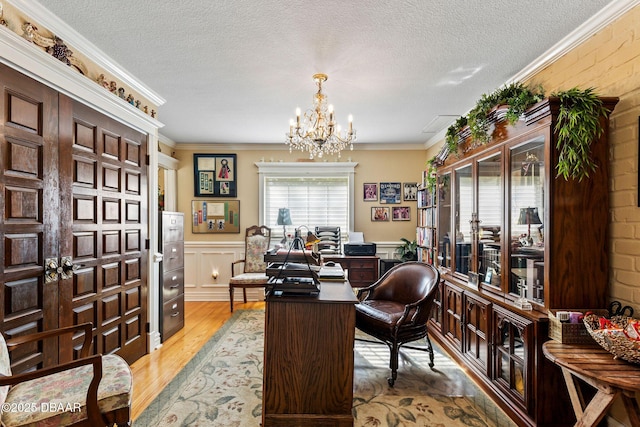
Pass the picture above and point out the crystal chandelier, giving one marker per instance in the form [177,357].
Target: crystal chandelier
[318,133]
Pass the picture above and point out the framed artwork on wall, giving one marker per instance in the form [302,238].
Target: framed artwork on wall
[380,213]
[215,216]
[215,175]
[410,191]
[370,191]
[390,192]
[401,213]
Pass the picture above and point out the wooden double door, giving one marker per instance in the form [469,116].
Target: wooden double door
[73,230]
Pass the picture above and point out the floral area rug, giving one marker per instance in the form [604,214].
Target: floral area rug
[222,386]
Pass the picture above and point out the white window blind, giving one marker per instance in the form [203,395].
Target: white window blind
[316,193]
[312,201]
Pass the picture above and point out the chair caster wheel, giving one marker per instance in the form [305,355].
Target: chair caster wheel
[391,381]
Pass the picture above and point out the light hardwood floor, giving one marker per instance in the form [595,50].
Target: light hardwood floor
[152,372]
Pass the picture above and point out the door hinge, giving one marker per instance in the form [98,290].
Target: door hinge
[147,159]
[147,243]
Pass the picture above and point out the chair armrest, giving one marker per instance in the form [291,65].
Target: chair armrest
[93,412]
[87,328]
[365,293]
[233,266]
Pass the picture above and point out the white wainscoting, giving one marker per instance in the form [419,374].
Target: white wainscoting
[203,259]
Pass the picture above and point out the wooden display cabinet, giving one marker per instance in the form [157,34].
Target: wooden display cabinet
[508,228]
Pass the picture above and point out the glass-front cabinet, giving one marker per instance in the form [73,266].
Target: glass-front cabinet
[444,220]
[472,249]
[515,242]
[526,217]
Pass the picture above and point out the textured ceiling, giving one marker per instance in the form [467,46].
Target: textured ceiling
[233,71]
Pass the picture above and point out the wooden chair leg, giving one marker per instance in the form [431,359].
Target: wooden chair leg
[393,363]
[244,294]
[430,350]
[231,297]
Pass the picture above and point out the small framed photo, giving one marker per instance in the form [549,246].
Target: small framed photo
[401,213]
[390,192]
[410,191]
[380,213]
[370,191]
[489,275]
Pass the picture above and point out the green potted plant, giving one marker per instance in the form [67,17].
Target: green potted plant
[578,124]
[577,128]
[408,250]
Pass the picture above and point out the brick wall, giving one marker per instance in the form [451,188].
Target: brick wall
[610,62]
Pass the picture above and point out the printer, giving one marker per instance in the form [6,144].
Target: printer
[360,249]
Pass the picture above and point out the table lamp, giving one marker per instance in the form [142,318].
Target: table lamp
[529,216]
[284,219]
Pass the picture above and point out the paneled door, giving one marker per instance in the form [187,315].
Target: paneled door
[103,229]
[29,204]
[74,226]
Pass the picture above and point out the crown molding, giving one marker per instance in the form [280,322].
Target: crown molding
[254,146]
[19,54]
[607,15]
[51,22]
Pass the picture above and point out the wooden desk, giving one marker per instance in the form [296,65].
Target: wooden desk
[596,367]
[362,270]
[308,358]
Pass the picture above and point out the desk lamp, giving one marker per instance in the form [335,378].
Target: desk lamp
[284,219]
[529,216]
[299,243]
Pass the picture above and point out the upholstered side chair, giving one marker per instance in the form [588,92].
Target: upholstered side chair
[256,243]
[396,308]
[92,391]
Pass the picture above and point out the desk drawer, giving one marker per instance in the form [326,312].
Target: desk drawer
[172,284]
[172,317]
[359,275]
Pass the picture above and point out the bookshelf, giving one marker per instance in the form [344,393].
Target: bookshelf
[426,227]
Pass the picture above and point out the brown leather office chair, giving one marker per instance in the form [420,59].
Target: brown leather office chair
[254,273]
[395,309]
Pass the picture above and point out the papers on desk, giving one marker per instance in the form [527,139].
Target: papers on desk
[334,272]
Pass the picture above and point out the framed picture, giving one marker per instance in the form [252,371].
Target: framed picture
[215,217]
[215,175]
[401,213]
[489,275]
[410,191]
[390,192]
[370,191]
[380,213]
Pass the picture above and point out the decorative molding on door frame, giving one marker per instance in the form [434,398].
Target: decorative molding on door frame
[35,63]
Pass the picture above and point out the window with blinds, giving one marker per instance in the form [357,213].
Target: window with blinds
[312,201]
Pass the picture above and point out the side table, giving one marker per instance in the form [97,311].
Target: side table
[596,367]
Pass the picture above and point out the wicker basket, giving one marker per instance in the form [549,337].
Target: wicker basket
[614,341]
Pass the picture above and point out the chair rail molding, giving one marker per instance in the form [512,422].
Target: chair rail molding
[202,259]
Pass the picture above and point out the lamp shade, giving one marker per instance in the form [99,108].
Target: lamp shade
[529,216]
[284,217]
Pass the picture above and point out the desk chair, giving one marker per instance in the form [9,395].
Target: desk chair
[257,240]
[91,391]
[395,309]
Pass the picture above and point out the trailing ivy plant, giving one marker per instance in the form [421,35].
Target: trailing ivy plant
[578,123]
[451,137]
[516,96]
[578,126]
[431,174]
